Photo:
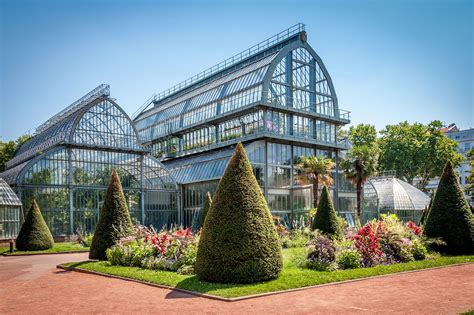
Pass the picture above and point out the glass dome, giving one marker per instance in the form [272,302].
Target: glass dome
[392,195]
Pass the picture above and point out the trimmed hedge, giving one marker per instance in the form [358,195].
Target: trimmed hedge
[450,217]
[114,220]
[326,219]
[34,233]
[205,208]
[238,242]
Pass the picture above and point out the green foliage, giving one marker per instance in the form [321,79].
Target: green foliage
[114,220]
[363,135]
[405,148]
[8,149]
[34,233]
[326,219]
[450,217]
[239,243]
[470,178]
[319,170]
[205,208]
[360,163]
[347,255]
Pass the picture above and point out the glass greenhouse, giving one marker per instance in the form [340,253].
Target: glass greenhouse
[392,195]
[277,98]
[10,212]
[67,164]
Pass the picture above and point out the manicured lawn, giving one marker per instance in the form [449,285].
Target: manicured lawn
[57,248]
[291,277]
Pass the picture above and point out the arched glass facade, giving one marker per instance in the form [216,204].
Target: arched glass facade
[278,100]
[66,168]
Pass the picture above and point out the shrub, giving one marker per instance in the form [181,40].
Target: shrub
[34,233]
[114,220]
[347,255]
[239,242]
[418,250]
[321,254]
[205,208]
[450,217]
[326,219]
[367,242]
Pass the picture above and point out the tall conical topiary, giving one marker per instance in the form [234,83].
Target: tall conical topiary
[205,208]
[34,233]
[114,220]
[425,212]
[325,219]
[238,243]
[450,217]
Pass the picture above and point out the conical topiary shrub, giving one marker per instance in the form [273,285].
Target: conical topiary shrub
[114,220]
[205,208]
[238,243]
[34,234]
[450,217]
[325,219]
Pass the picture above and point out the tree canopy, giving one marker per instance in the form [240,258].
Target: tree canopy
[8,149]
[416,150]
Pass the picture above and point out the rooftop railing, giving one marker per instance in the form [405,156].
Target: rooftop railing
[280,37]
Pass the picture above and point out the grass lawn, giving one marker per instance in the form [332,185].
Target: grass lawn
[291,277]
[57,248]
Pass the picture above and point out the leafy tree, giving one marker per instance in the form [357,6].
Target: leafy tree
[470,178]
[205,208]
[34,233]
[318,169]
[363,135]
[114,220]
[8,149]
[326,219]
[238,242]
[359,164]
[416,150]
[450,217]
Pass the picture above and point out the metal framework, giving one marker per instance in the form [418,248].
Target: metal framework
[277,98]
[67,164]
[10,212]
[387,194]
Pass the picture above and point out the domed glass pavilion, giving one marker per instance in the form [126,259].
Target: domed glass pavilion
[391,195]
[67,164]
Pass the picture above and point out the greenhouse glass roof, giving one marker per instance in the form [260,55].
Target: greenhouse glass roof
[395,194]
[7,195]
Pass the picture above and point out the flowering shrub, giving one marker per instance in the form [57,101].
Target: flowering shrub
[164,250]
[347,255]
[321,253]
[414,228]
[366,240]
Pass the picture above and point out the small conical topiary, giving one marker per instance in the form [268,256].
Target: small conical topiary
[325,219]
[238,242]
[205,208]
[34,234]
[114,220]
[450,217]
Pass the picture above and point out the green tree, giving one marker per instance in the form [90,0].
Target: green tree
[450,217]
[205,208]
[359,164]
[470,178]
[416,150]
[318,169]
[114,220]
[326,219]
[34,233]
[363,135]
[8,149]
[238,242]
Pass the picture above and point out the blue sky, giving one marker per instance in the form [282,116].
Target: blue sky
[389,60]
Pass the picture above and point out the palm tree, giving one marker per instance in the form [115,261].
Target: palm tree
[358,166]
[319,170]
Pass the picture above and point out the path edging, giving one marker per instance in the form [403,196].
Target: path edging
[247,297]
[51,253]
